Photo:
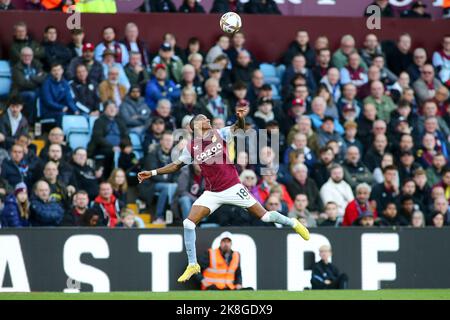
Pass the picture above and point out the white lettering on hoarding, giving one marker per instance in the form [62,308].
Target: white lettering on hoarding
[77,245]
[372,271]
[11,256]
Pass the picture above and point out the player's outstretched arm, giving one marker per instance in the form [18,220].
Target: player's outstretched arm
[170,168]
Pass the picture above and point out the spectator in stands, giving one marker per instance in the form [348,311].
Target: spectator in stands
[224,6]
[134,111]
[127,219]
[390,216]
[108,63]
[12,123]
[371,49]
[425,87]
[382,102]
[441,98]
[172,40]
[153,134]
[417,11]
[337,190]
[331,109]
[59,191]
[55,154]
[340,57]
[373,74]
[407,206]
[193,48]
[304,125]
[441,61]
[387,191]
[133,43]
[302,184]
[300,211]
[301,46]
[85,93]
[407,166]
[55,52]
[56,136]
[27,77]
[136,71]
[44,210]
[402,84]
[320,172]
[436,169]
[191,80]
[386,75]
[318,116]
[249,180]
[111,88]
[300,142]
[91,218]
[163,110]
[158,6]
[108,131]
[366,220]
[22,39]
[191,6]
[238,42]
[56,99]
[222,45]
[355,172]
[266,113]
[164,184]
[351,128]
[119,184]
[85,177]
[359,206]
[119,50]
[16,169]
[6,5]
[400,58]
[262,7]
[173,64]
[373,156]
[387,11]
[332,81]
[325,275]
[160,87]
[80,205]
[353,72]
[322,65]
[190,186]
[76,45]
[327,133]
[298,66]
[243,68]
[16,212]
[95,68]
[419,60]
[440,206]
[107,206]
[187,105]
[366,120]
[438,220]
[330,217]
[212,104]
[269,185]
[418,219]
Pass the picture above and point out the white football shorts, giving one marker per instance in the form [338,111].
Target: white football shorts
[237,195]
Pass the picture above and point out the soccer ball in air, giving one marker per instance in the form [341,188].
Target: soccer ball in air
[230,22]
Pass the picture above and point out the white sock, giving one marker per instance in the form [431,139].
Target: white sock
[276,217]
[189,240]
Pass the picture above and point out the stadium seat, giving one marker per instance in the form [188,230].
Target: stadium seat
[73,123]
[91,124]
[5,78]
[78,139]
[275,93]
[270,74]
[280,71]
[136,143]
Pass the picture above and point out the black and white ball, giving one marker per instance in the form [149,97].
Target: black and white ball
[230,22]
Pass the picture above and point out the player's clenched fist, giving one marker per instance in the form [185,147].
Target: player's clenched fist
[144,175]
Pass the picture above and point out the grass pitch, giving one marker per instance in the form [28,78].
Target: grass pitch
[406,294]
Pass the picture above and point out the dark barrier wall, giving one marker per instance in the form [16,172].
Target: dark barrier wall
[268,36]
[136,260]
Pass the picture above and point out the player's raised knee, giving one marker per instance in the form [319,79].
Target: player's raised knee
[188,224]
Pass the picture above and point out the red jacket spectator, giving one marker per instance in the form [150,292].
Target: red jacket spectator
[264,191]
[354,210]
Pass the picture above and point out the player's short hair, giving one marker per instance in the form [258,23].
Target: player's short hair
[191,123]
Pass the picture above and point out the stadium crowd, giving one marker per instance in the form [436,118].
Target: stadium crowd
[364,131]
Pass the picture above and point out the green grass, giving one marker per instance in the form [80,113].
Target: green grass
[406,294]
